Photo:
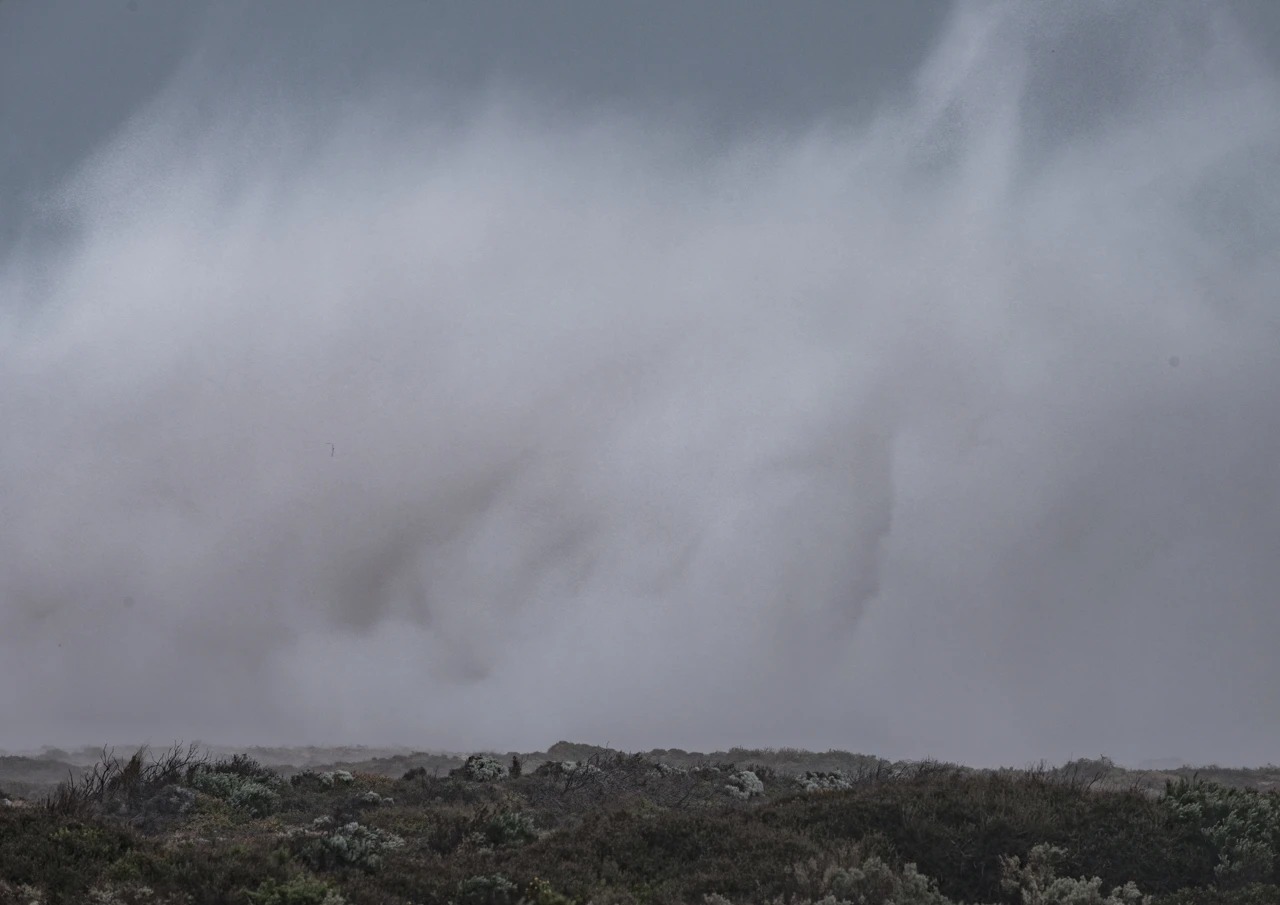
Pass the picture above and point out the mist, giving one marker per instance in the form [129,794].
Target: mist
[379,405]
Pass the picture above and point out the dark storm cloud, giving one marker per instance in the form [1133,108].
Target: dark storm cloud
[411,373]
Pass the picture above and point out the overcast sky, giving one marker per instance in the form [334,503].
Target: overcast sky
[892,376]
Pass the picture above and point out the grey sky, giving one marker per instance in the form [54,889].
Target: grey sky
[889,376]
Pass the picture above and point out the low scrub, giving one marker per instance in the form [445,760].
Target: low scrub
[597,827]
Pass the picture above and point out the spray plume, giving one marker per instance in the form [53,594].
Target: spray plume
[952,431]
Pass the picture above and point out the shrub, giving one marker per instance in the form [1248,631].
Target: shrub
[480,768]
[241,765]
[744,785]
[350,845]
[298,891]
[313,781]
[1038,885]
[63,856]
[240,781]
[540,892]
[816,782]
[486,890]
[874,881]
[509,829]
[123,787]
[237,790]
[1243,827]
[306,781]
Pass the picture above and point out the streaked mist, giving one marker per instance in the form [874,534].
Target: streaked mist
[566,393]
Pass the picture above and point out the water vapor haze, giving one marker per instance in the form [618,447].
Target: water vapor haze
[485,416]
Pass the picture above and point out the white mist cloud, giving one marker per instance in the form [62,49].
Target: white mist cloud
[363,422]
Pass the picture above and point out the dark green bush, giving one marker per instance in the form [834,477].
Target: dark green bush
[509,829]
[63,855]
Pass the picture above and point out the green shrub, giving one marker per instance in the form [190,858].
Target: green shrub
[1038,884]
[240,765]
[237,790]
[350,845]
[480,768]
[1243,826]
[486,890]
[539,892]
[63,856]
[744,785]
[298,891]
[813,781]
[509,829]
[874,881]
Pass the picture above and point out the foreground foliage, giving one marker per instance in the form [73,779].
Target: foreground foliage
[617,829]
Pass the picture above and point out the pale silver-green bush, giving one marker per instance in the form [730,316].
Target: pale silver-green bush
[350,845]
[874,881]
[1242,825]
[252,795]
[745,784]
[481,768]
[1039,885]
[813,781]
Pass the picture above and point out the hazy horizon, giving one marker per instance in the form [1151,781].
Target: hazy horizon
[271,754]
[890,377]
